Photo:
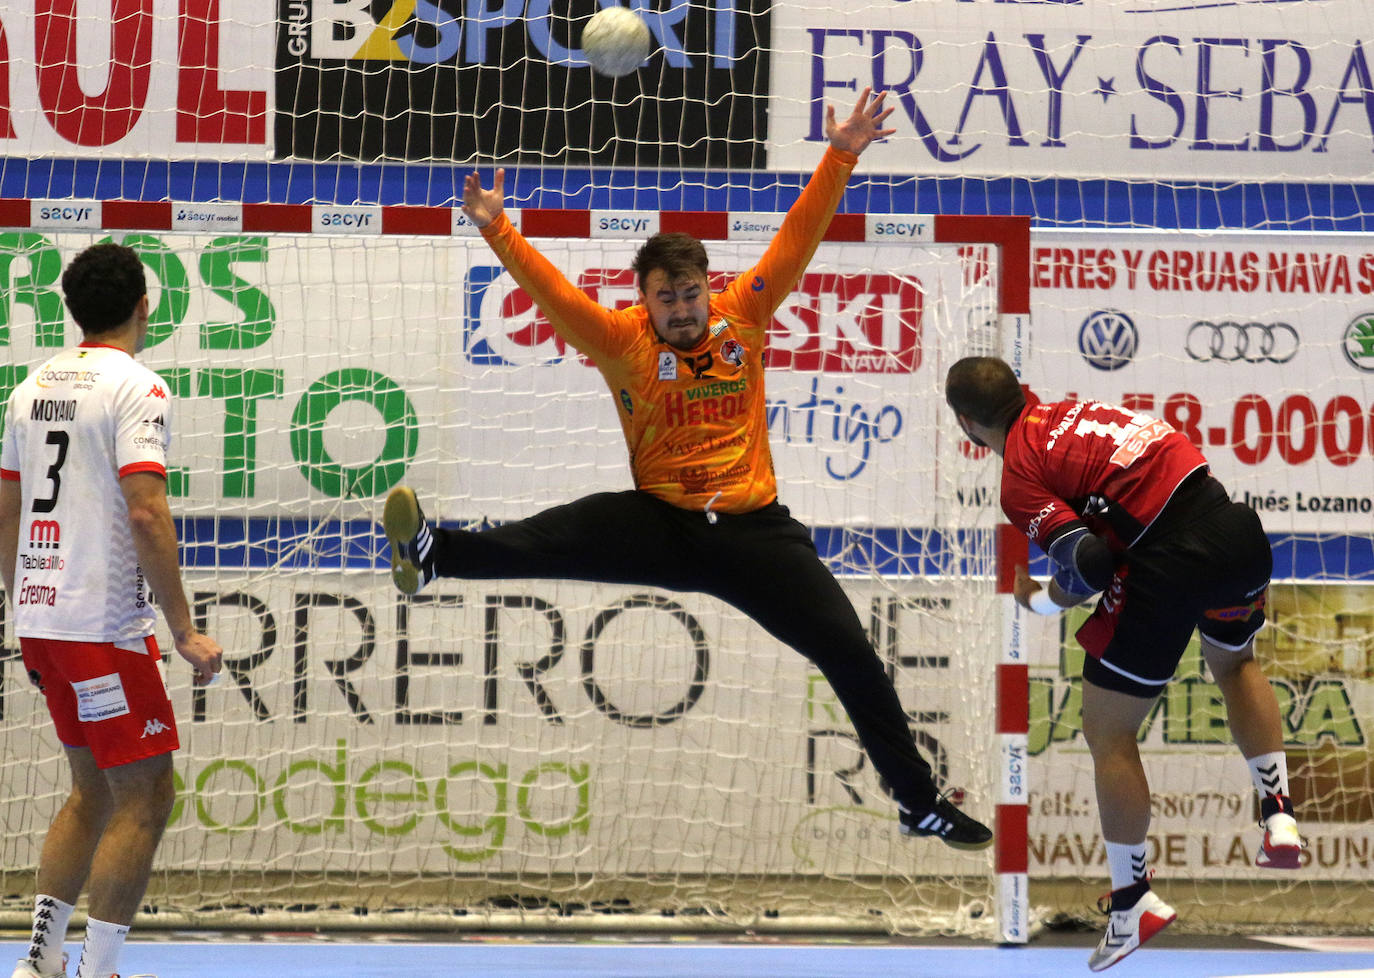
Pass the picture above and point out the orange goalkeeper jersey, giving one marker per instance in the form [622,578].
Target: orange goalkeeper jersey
[695,421]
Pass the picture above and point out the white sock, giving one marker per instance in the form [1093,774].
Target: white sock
[50,919]
[100,953]
[1126,863]
[1269,773]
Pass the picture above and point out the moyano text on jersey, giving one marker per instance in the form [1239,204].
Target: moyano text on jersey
[73,428]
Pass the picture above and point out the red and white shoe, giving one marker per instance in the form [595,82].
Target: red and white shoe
[1282,846]
[1129,929]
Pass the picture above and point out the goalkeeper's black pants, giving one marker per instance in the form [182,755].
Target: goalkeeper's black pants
[764,563]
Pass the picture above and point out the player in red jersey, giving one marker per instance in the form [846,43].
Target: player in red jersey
[1125,507]
[85,535]
[686,369]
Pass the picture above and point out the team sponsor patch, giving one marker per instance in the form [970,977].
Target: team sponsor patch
[100,698]
[667,365]
[1238,612]
[718,327]
[733,352]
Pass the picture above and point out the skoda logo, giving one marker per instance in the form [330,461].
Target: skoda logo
[1358,342]
[1241,342]
[1108,339]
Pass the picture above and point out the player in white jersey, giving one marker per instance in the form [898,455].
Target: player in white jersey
[86,539]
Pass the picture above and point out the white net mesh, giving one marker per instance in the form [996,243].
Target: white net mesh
[313,371]
[541,747]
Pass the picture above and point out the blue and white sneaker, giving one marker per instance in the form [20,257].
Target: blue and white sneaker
[412,543]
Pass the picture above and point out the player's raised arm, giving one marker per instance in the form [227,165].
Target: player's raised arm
[854,134]
[483,206]
[802,229]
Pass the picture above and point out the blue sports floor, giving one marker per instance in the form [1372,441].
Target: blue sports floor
[203,955]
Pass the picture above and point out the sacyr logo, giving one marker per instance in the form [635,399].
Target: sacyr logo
[1108,339]
[1358,342]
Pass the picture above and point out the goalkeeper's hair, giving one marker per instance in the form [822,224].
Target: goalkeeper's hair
[985,390]
[676,253]
[102,286]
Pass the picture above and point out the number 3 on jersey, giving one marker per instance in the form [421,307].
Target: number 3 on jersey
[61,439]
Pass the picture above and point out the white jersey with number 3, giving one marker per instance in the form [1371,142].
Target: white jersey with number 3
[74,426]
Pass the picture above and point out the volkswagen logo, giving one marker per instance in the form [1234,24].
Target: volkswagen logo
[1108,339]
[1230,342]
[1358,342]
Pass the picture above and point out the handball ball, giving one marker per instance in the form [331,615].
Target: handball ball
[615,41]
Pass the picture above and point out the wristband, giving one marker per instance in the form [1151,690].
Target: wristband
[1042,604]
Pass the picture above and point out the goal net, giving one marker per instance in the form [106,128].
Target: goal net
[547,752]
[554,754]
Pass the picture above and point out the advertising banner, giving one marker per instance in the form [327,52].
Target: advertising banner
[1259,347]
[523,727]
[160,79]
[1191,90]
[452,81]
[508,726]
[1318,652]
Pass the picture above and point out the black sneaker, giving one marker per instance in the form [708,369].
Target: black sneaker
[946,823]
[412,545]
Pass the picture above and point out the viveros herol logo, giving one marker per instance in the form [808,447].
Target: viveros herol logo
[1108,340]
[502,327]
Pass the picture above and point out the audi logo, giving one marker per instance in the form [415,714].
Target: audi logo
[1241,342]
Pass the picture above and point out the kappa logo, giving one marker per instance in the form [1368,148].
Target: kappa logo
[154,727]
[158,392]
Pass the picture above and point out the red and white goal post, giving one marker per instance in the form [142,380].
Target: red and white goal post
[547,754]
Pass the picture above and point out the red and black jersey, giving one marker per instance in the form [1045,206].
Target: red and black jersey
[1084,461]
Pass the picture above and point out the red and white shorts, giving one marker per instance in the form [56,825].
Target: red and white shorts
[108,697]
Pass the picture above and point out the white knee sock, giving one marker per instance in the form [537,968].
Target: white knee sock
[100,953]
[1269,773]
[1126,863]
[50,919]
